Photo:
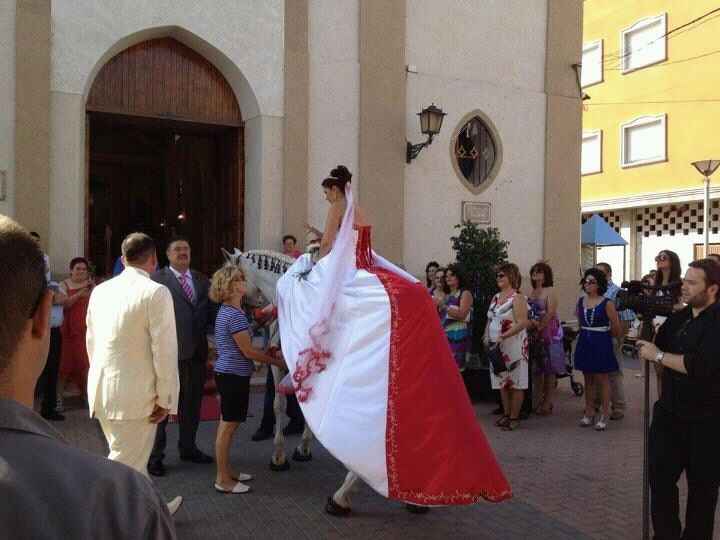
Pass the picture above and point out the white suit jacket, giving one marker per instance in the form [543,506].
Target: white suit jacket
[132,347]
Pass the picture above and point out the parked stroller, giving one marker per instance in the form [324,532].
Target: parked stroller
[569,336]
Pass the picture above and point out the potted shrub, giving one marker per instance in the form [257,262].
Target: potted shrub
[479,251]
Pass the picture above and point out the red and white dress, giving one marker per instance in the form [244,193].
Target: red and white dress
[376,380]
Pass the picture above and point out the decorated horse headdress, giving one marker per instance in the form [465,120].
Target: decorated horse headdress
[262,269]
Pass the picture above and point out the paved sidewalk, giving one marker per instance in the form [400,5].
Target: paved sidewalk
[569,483]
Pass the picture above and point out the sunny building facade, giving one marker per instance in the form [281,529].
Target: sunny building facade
[218,119]
[651,72]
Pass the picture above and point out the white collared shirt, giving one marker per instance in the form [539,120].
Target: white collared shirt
[188,278]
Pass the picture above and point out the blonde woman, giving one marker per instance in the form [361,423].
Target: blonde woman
[233,368]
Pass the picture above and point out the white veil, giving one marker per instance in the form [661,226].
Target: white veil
[339,266]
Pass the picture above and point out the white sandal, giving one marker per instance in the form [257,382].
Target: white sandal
[242,477]
[586,421]
[601,423]
[237,489]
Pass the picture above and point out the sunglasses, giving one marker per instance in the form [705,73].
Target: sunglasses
[590,282]
[661,257]
[499,275]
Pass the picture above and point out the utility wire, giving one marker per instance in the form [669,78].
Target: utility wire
[680,61]
[672,33]
[617,56]
[659,102]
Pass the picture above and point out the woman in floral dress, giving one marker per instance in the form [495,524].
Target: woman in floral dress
[507,328]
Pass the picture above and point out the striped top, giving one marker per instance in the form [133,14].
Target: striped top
[230,359]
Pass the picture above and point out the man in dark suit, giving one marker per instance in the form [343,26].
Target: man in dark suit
[189,291]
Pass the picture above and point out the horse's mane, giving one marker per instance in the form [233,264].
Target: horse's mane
[263,259]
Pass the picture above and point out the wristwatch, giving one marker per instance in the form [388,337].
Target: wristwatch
[659,357]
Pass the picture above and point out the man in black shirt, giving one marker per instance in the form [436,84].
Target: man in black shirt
[684,431]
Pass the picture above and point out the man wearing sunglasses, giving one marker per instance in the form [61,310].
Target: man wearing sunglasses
[45,482]
[684,432]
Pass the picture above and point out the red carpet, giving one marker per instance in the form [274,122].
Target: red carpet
[209,410]
[210,407]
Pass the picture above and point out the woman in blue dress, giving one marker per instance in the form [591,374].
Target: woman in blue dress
[594,354]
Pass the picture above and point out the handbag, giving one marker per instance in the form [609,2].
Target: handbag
[495,359]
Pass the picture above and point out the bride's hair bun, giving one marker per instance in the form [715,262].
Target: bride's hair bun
[339,177]
[341,173]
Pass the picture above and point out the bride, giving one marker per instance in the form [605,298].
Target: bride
[373,372]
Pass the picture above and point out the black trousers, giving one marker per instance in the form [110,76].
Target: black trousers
[677,445]
[192,381]
[47,383]
[293,410]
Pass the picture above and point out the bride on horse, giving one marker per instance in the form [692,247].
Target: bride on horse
[374,374]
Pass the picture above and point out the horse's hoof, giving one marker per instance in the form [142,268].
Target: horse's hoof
[299,456]
[334,509]
[284,466]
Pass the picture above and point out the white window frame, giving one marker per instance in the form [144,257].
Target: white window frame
[591,133]
[640,121]
[639,25]
[589,45]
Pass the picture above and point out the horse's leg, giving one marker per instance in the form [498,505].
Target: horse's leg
[342,495]
[279,461]
[302,452]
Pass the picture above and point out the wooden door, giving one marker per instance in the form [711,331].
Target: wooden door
[162,95]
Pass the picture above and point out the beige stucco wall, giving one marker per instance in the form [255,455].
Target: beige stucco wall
[297,103]
[382,122]
[493,60]
[7,102]
[243,39]
[263,199]
[561,242]
[32,104]
[334,74]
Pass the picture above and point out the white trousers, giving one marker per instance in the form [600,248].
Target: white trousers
[130,441]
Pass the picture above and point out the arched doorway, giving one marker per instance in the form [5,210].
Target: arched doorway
[164,154]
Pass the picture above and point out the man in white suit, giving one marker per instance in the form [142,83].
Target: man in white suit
[132,346]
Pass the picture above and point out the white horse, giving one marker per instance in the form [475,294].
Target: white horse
[262,271]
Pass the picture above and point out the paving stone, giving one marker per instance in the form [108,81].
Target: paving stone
[568,483]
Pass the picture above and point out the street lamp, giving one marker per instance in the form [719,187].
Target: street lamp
[431,119]
[706,167]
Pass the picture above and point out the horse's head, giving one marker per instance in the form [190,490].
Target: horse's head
[262,271]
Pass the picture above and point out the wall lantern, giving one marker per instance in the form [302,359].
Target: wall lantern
[431,119]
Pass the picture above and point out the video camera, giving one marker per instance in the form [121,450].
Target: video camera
[646,300]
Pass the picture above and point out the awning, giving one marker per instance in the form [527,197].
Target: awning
[596,232]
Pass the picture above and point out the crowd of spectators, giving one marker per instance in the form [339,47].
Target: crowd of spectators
[529,336]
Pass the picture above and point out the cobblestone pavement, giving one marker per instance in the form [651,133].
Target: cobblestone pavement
[569,483]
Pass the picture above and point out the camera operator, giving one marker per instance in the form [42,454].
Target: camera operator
[684,434]
[668,271]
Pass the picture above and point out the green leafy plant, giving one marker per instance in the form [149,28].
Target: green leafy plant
[479,251]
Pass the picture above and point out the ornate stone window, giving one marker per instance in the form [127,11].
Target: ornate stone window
[476,151]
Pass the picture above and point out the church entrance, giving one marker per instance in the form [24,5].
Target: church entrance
[164,155]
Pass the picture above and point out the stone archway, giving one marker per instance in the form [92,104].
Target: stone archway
[164,153]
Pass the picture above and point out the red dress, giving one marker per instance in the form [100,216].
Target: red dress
[376,380]
[74,362]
